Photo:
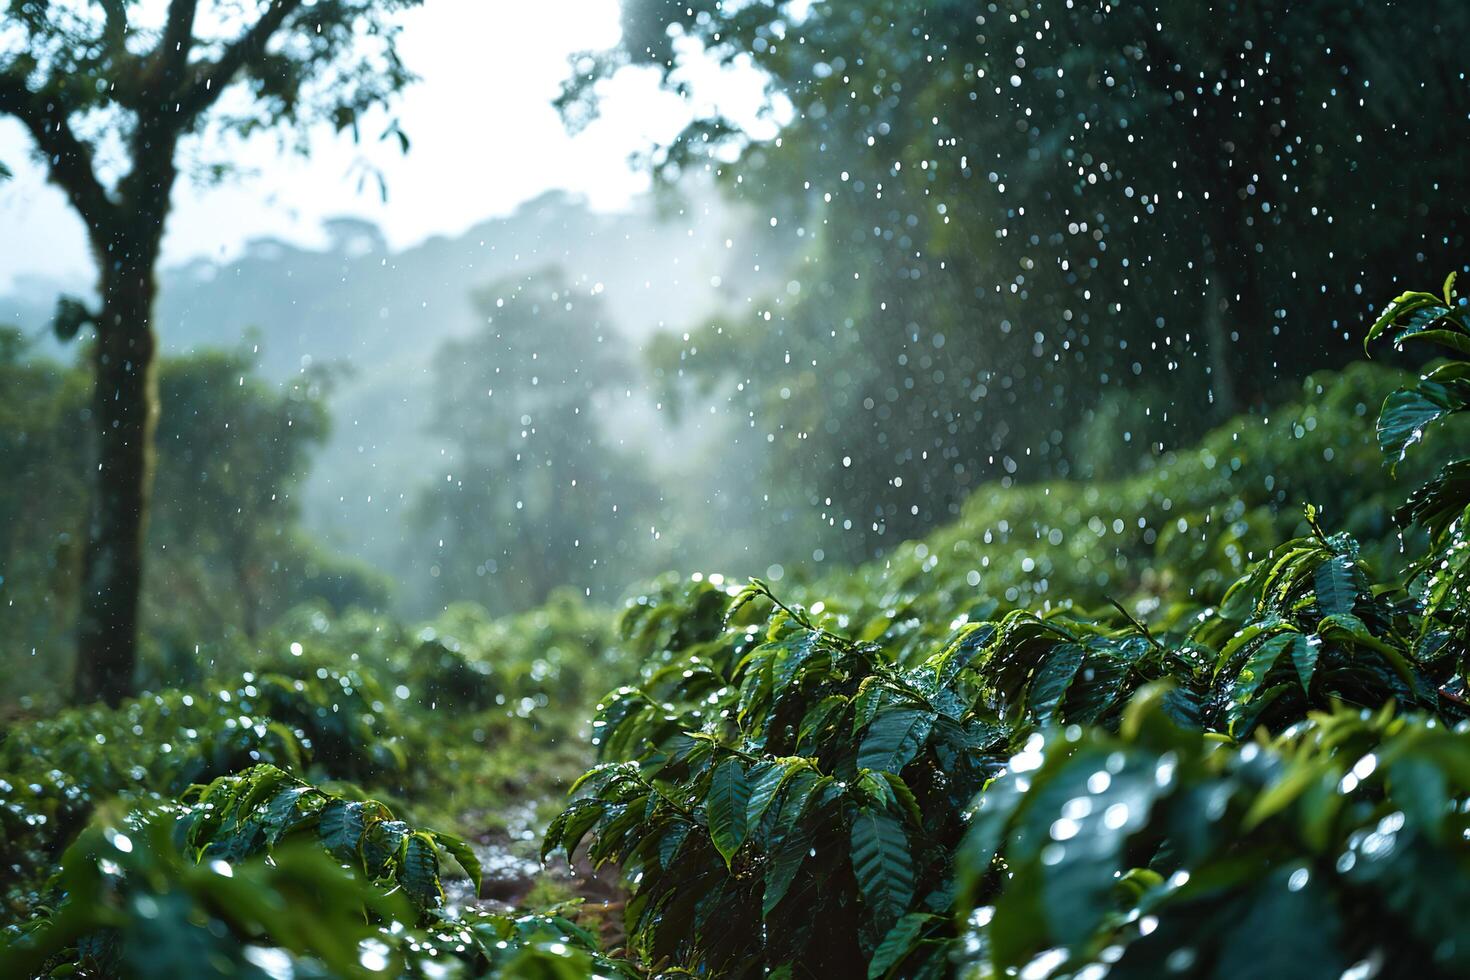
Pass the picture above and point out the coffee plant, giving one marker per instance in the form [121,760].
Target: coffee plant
[54,772]
[252,789]
[263,876]
[1179,724]
[1337,848]
[850,789]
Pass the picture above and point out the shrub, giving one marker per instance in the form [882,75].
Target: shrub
[1258,761]
[792,794]
[151,748]
[1342,843]
[261,874]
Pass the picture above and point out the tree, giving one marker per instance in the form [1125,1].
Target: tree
[108,95]
[537,493]
[228,551]
[1017,208]
[233,450]
[42,424]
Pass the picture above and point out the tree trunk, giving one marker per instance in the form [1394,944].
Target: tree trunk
[1222,379]
[124,409]
[249,598]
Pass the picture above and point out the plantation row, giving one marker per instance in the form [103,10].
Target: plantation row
[1208,720]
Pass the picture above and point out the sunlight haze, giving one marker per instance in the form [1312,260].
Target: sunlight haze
[488,71]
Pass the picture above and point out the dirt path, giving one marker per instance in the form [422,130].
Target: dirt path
[512,868]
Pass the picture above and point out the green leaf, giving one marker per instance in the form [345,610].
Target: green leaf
[341,827]
[1253,675]
[1080,855]
[882,864]
[1289,929]
[894,738]
[1448,338]
[1346,624]
[764,791]
[1247,634]
[752,589]
[1304,658]
[787,857]
[1421,789]
[1441,502]
[1182,707]
[990,825]
[791,656]
[963,652]
[866,703]
[904,797]
[418,871]
[556,832]
[898,943]
[382,844]
[1408,412]
[1098,687]
[280,813]
[818,717]
[792,845]
[1053,678]
[727,806]
[1336,590]
[1403,306]
[668,847]
[464,855]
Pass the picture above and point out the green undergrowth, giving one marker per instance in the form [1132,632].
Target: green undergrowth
[1138,727]
[1202,731]
[434,724]
[1165,542]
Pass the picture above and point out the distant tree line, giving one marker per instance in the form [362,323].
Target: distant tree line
[538,492]
[108,93]
[535,494]
[225,545]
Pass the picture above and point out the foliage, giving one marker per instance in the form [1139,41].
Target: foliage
[349,698]
[436,719]
[537,494]
[245,813]
[56,771]
[230,556]
[346,890]
[233,452]
[1167,541]
[1442,575]
[1341,843]
[826,759]
[1012,213]
[902,774]
[136,905]
[754,746]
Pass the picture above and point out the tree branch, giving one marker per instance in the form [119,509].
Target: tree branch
[116,27]
[173,48]
[68,159]
[249,46]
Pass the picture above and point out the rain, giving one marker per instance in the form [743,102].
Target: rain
[734,488]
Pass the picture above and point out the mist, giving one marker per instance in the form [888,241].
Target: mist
[720,489]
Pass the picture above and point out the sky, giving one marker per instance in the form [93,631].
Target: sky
[484,135]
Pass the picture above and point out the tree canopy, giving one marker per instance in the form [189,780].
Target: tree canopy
[108,89]
[1015,210]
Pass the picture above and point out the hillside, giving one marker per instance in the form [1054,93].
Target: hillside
[436,719]
[375,317]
